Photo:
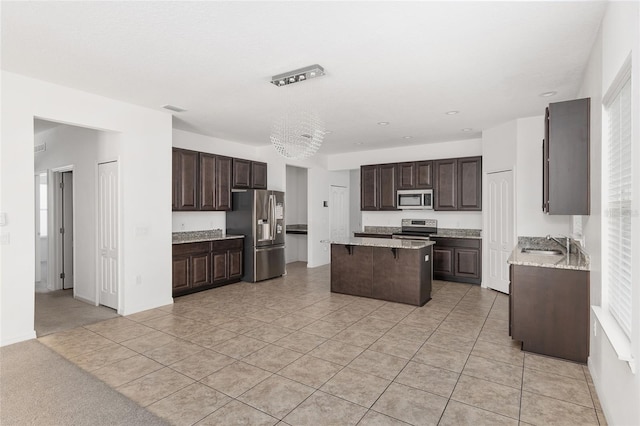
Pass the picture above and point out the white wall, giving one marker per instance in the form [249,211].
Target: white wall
[355,215]
[530,220]
[618,388]
[320,182]
[144,158]
[80,148]
[499,148]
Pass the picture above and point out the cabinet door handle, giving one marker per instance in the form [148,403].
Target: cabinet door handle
[395,253]
[349,249]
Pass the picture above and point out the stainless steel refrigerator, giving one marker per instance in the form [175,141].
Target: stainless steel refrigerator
[258,214]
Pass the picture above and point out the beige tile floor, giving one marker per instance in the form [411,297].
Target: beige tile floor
[289,352]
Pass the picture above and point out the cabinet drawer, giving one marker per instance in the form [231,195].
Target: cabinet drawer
[191,248]
[222,245]
[457,242]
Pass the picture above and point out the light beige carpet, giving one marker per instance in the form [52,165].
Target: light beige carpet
[39,387]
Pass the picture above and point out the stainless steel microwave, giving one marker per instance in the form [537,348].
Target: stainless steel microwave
[415,199]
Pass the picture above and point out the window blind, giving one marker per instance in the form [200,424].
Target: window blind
[619,189]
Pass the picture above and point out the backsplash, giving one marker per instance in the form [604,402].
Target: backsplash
[543,243]
[195,235]
[382,229]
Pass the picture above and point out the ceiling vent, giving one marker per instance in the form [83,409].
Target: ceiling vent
[173,108]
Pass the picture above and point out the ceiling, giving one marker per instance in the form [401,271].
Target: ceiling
[406,63]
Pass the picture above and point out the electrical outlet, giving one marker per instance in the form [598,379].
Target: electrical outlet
[3,218]
[182,226]
[4,239]
[138,279]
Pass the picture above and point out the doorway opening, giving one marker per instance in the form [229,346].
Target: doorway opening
[63,236]
[296,222]
[66,226]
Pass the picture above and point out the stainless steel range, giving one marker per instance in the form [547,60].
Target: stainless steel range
[417,229]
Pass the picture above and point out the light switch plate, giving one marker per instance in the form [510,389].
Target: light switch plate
[4,239]
[3,218]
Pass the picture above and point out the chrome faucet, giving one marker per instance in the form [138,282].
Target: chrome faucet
[566,244]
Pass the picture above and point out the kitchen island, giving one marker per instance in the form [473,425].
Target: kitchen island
[385,269]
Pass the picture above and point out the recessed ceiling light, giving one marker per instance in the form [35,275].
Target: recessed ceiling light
[328,132]
[467,129]
[452,112]
[358,143]
[383,123]
[173,108]
[548,94]
[407,137]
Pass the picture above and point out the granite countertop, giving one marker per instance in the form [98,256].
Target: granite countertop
[577,258]
[458,233]
[296,229]
[382,242]
[200,236]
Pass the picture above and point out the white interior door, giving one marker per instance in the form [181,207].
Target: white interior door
[339,212]
[37,266]
[67,230]
[108,234]
[500,232]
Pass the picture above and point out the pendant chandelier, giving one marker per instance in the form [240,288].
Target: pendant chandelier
[297,133]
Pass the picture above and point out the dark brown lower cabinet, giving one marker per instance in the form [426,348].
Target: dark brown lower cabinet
[457,259]
[549,311]
[203,265]
[227,261]
[396,275]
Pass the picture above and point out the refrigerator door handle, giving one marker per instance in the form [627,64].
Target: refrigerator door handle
[272,198]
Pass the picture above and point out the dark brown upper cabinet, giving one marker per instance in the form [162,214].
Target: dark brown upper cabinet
[446,184]
[249,174]
[388,187]
[369,187]
[406,175]
[378,187]
[470,183]
[185,180]
[258,175]
[424,174]
[566,158]
[241,173]
[415,175]
[207,181]
[223,182]
[201,181]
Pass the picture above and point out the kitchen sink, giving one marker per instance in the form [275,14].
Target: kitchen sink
[549,252]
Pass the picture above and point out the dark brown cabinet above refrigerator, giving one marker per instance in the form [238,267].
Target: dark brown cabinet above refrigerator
[249,174]
[565,158]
